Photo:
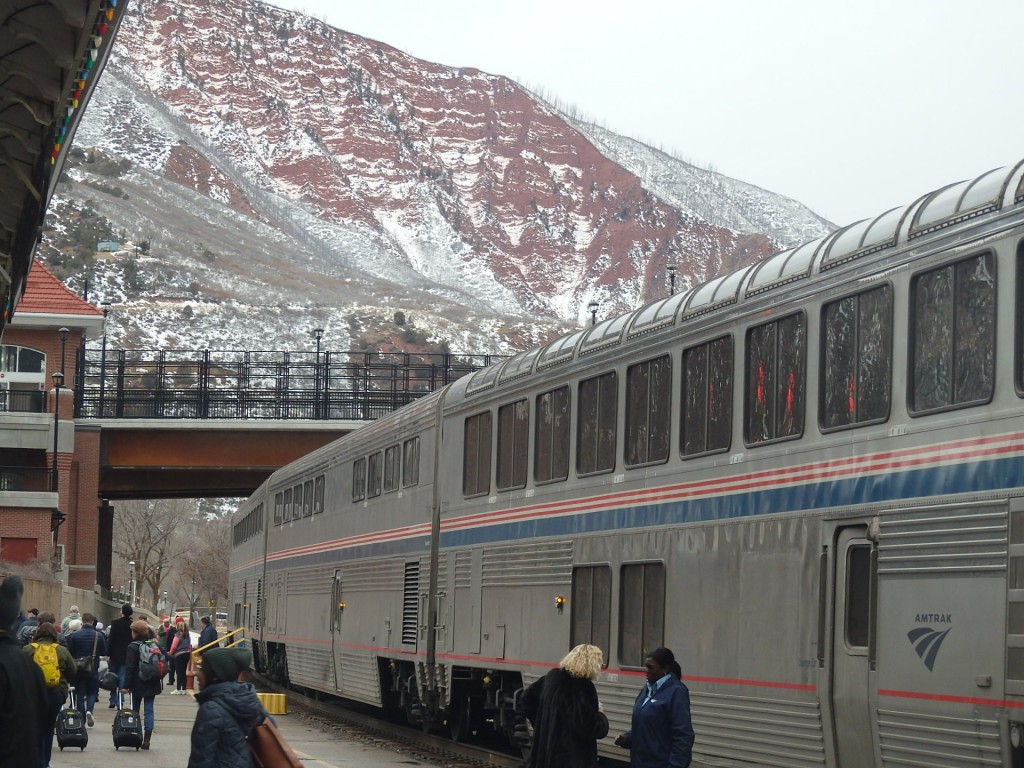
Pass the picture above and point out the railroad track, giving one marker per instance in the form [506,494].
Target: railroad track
[430,748]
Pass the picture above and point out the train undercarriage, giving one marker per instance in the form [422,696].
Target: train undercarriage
[483,704]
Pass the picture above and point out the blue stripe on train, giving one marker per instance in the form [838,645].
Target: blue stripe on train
[971,477]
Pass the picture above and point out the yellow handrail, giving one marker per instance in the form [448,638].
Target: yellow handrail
[197,652]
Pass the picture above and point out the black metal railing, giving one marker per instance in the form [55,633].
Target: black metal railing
[26,479]
[233,384]
[23,401]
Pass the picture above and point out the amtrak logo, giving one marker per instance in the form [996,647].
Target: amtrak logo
[926,642]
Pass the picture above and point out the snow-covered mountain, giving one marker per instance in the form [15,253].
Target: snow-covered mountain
[278,174]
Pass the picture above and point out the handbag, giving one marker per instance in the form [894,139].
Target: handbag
[86,664]
[268,747]
[109,681]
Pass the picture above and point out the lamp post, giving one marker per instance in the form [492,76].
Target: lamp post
[131,582]
[592,306]
[318,333]
[103,352]
[671,279]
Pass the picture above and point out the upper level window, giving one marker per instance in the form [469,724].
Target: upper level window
[776,352]
[476,466]
[21,360]
[359,479]
[374,471]
[318,495]
[411,462]
[648,412]
[857,358]
[706,416]
[596,424]
[513,444]
[551,441]
[307,498]
[278,505]
[953,316]
[391,468]
[297,502]
[287,506]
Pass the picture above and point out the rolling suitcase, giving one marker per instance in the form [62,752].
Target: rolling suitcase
[127,727]
[71,727]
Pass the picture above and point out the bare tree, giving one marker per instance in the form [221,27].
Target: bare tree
[148,533]
[204,564]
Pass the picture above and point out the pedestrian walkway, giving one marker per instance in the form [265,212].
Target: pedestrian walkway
[171,743]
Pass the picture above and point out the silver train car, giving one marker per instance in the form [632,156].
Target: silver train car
[805,477]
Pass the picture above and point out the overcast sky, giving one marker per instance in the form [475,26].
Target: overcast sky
[850,108]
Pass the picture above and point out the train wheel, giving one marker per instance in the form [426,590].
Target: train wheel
[460,719]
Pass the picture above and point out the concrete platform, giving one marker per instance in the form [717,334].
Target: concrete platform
[171,743]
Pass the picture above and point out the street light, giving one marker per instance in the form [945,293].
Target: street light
[131,582]
[103,351]
[592,306]
[671,279]
[318,333]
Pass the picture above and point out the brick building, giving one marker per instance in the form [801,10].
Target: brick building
[42,339]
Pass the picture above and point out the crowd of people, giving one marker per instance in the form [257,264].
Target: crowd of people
[42,660]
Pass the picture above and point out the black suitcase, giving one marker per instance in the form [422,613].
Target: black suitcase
[127,727]
[71,727]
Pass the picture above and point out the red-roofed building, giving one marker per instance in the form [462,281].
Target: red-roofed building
[32,500]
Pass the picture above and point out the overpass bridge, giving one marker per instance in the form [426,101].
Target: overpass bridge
[217,423]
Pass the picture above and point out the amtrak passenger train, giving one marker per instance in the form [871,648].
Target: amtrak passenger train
[805,477]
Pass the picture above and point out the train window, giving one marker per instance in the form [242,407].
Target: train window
[278,504]
[648,412]
[307,499]
[596,419]
[476,466]
[513,444]
[776,352]
[857,356]
[591,606]
[297,502]
[641,611]
[706,414]
[411,462]
[374,469]
[358,479]
[953,327]
[551,441]
[391,469]
[858,596]
[1019,354]
[287,506]
[318,495]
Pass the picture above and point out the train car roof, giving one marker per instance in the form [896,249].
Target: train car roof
[990,193]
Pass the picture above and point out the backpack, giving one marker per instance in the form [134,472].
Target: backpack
[26,633]
[45,655]
[152,662]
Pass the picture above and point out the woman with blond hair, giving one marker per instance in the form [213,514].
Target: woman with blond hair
[180,650]
[566,716]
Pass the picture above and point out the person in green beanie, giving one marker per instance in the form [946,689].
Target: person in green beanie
[228,710]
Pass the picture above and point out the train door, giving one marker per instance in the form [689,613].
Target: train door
[337,613]
[852,646]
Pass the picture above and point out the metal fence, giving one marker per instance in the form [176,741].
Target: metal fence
[233,384]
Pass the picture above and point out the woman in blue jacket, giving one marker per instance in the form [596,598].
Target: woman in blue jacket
[662,734]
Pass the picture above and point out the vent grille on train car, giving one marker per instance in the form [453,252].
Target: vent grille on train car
[410,603]
[259,605]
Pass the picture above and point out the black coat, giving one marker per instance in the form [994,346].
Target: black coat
[24,706]
[227,712]
[120,637]
[141,689]
[566,723]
